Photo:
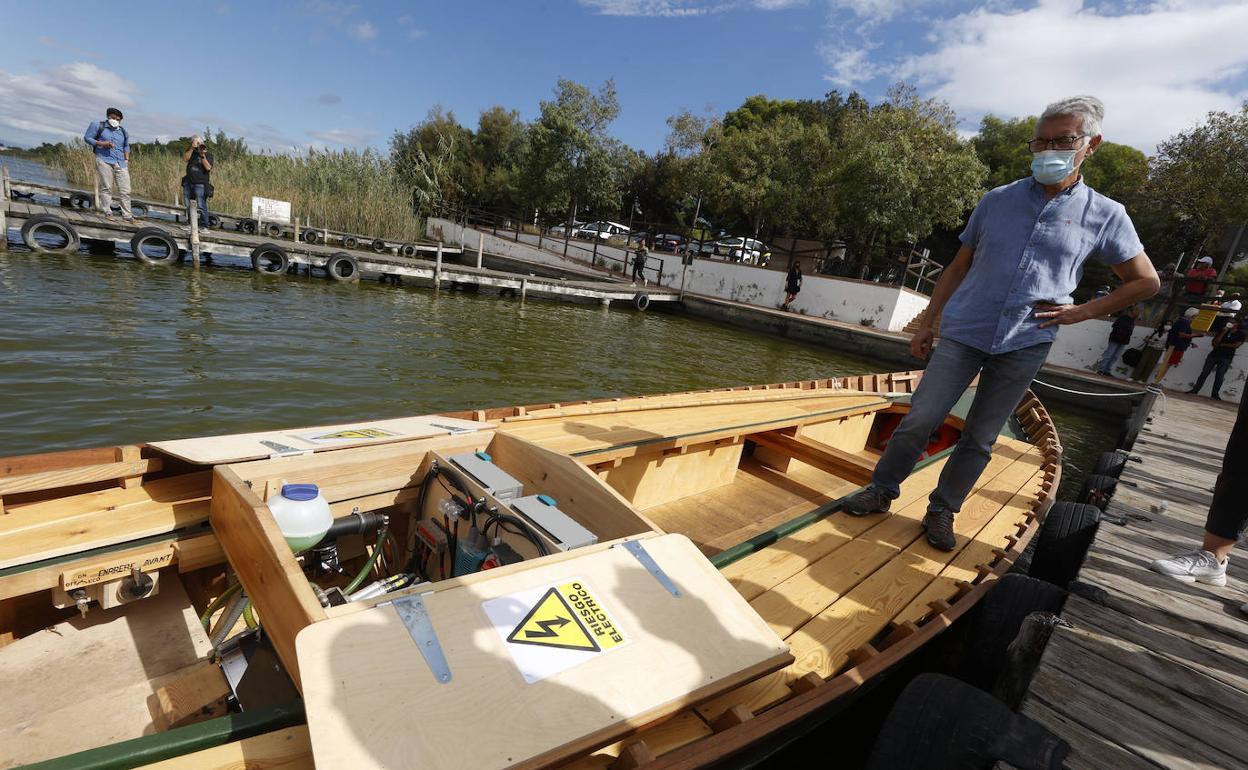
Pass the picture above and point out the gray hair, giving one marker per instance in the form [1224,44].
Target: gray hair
[1088,109]
[198,138]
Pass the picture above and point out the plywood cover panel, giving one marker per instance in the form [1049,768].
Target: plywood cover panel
[212,450]
[372,702]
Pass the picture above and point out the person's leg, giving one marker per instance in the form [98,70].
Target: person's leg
[1210,362]
[188,195]
[949,371]
[104,173]
[122,176]
[1227,517]
[1219,374]
[1002,383]
[201,200]
[1111,355]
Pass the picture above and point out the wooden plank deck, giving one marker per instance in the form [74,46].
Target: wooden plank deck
[1153,673]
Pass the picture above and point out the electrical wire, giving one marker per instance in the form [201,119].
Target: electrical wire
[216,604]
[368,567]
[498,520]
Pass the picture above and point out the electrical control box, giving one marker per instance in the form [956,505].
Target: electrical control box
[560,529]
[492,478]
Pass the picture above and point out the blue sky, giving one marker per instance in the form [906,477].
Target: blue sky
[332,74]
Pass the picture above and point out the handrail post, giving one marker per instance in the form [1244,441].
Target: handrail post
[437,269]
[194,217]
[480,248]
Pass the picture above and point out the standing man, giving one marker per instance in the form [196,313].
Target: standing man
[1225,343]
[1119,337]
[1198,279]
[639,261]
[1227,311]
[112,161]
[1178,341]
[197,181]
[1007,290]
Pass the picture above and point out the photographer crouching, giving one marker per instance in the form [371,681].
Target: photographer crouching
[197,184]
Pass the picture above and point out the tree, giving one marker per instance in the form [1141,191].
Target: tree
[690,141]
[1002,146]
[1118,171]
[497,158]
[432,158]
[572,163]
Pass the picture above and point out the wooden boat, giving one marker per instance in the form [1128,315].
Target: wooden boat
[723,602]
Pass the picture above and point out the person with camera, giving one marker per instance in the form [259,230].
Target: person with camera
[111,145]
[197,184]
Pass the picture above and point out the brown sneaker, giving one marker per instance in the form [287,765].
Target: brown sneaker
[939,526]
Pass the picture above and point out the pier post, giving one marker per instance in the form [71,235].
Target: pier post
[524,288]
[437,268]
[4,207]
[1139,416]
[194,217]
[480,248]
[296,229]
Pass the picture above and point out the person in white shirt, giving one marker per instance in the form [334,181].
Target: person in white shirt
[1228,310]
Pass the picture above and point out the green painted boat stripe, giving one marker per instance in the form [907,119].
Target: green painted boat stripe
[661,439]
[177,742]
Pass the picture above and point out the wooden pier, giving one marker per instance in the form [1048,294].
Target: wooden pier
[1152,672]
[425,266]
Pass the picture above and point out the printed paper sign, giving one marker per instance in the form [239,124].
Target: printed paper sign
[345,435]
[116,569]
[554,627]
[268,210]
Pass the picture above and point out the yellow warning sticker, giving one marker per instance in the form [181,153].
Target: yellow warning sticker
[551,628]
[350,434]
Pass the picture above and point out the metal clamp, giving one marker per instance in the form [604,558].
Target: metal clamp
[415,616]
[638,550]
[281,450]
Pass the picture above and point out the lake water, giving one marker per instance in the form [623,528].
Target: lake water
[99,350]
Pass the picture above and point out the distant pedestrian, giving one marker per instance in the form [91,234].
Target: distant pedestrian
[1178,341]
[112,161]
[1119,337]
[1150,352]
[197,184]
[639,261]
[1225,343]
[1198,278]
[1226,520]
[1226,311]
[792,284]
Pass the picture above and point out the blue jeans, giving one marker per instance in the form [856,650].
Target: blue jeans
[1003,379]
[1111,355]
[198,192]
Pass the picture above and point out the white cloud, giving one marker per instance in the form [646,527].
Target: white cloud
[849,65]
[345,137]
[363,31]
[409,24]
[1158,68]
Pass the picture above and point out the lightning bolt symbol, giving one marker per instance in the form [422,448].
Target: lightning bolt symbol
[547,625]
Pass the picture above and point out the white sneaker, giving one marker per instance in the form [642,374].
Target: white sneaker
[1197,566]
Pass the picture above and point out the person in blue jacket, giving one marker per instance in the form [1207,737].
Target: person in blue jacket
[112,161]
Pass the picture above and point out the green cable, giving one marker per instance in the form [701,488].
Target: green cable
[206,618]
[249,614]
[368,568]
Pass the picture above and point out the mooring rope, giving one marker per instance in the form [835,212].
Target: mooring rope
[1086,393]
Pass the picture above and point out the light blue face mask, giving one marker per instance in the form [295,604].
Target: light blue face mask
[1052,166]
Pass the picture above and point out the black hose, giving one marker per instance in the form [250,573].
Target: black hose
[354,524]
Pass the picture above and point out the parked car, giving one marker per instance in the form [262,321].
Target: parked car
[601,230]
[699,248]
[668,242]
[638,236]
[739,249]
[560,228]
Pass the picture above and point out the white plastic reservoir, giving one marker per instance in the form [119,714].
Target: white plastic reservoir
[302,514]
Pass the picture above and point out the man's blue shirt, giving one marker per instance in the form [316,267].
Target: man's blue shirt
[1030,249]
[115,155]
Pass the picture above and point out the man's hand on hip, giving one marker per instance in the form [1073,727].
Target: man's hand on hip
[1060,315]
[921,342]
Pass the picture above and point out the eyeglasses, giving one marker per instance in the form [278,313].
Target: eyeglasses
[1058,143]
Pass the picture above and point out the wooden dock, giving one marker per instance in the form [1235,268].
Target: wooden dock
[1151,672]
[426,268]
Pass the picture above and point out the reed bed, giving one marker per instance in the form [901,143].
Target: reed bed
[356,192]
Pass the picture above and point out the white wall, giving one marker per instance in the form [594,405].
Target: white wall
[1080,346]
[450,232]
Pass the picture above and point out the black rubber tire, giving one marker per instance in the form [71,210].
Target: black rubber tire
[1110,464]
[46,222]
[214,221]
[81,201]
[996,621]
[342,267]
[407,250]
[1097,490]
[350,242]
[310,236]
[641,301]
[247,226]
[273,230]
[380,246]
[159,236]
[939,723]
[138,210]
[270,259]
[1063,542]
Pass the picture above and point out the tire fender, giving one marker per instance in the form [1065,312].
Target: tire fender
[49,223]
[641,301]
[155,235]
[380,246]
[342,267]
[1063,542]
[273,230]
[1110,464]
[407,250]
[270,259]
[1097,490]
[81,201]
[350,242]
[247,226]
